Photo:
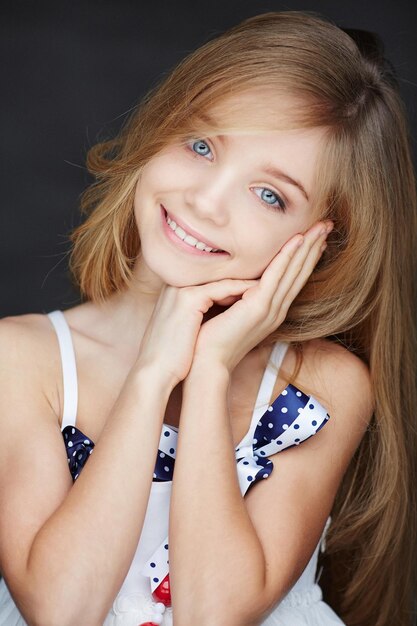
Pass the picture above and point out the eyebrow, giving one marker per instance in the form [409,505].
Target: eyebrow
[276,173]
[272,171]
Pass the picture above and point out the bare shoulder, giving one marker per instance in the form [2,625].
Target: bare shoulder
[334,371]
[341,382]
[23,328]
[29,356]
[22,335]
[333,353]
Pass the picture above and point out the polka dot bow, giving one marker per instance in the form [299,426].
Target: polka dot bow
[79,448]
[291,419]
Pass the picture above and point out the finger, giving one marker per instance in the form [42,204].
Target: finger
[218,291]
[284,268]
[291,285]
[277,267]
[304,275]
[301,266]
[229,300]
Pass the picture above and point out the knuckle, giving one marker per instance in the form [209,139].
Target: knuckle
[284,309]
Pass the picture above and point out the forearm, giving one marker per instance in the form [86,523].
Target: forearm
[81,555]
[214,548]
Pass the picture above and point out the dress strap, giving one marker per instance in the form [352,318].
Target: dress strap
[266,388]
[270,375]
[69,367]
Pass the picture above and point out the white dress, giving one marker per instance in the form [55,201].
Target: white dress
[134,604]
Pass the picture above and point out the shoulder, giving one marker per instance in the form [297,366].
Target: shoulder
[22,327]
[331,356]
[22,335]
[29,356]
[335,371]
[341,382]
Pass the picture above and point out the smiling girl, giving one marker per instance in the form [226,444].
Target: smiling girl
[231,391]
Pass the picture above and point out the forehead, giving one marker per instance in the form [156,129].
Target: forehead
[256,111]
[265,120]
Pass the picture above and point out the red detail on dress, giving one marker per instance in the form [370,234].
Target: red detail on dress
[148,624]
[163,592]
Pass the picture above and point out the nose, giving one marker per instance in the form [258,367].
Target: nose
[208,197]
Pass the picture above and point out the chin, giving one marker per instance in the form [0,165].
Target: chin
[180,274]
[173,276]
[182,282]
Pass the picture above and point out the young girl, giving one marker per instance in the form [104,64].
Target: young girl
[219,335]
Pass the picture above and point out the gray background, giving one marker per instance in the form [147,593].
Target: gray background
[69,73]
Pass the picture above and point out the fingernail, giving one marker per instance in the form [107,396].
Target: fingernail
[300,242]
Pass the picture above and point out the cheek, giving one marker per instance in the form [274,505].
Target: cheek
[259,245]
[264,240]
[258,248]
[136,201]
[146,186]
[165,170]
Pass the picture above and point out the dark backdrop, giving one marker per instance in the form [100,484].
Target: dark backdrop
[69,73]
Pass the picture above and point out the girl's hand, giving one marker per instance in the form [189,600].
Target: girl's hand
[170,337]
[229,336]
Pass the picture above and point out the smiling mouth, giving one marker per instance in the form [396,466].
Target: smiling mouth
[189,239]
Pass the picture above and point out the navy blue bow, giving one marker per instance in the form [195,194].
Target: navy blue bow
[79,447]
[291,419]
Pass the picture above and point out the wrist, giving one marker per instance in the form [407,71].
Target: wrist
[211,360]
[150,377]
[207,371]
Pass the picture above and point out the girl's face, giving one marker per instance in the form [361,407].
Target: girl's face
[244,194]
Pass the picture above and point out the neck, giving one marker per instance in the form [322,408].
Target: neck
[122,319]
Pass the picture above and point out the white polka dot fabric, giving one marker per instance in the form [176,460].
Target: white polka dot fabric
[291,419]
[271,423]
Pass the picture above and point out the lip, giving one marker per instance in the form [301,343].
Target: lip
[191,231]
[185,246]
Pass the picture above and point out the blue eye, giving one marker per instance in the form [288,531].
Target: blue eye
[201,147]
[270,197]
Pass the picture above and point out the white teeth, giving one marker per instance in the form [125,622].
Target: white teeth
[180,232]
[192,241]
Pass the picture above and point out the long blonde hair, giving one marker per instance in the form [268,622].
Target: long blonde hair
[362,291]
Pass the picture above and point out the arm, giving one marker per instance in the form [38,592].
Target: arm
[65,549]
[57,540]
[240,573]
